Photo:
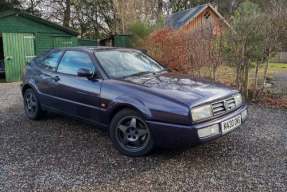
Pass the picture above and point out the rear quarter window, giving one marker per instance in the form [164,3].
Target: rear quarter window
[40,57]
[50,60]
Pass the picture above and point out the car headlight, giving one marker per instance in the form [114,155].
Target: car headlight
[238,99]
[202,112]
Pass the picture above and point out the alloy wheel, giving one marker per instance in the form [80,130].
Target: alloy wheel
[132,133]
[31,103]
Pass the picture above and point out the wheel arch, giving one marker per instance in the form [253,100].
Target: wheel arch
[128,103]
[121,107]
[30,85]
[25,87]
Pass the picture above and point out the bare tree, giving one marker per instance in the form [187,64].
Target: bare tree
[67,13]
[93,18]
[33,6]
[9,4]
[244,41]
[130,11]
[275,25]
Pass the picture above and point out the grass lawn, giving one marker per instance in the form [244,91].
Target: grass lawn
[277,67]
[226,74]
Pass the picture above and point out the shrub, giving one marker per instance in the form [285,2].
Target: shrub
[187,52]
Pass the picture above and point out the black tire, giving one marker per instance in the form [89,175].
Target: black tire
[130,134]
[31,105]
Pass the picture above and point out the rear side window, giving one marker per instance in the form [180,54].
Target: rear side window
[40,57]
[51,61]
[72,61]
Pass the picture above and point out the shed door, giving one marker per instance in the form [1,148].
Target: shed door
[18,50]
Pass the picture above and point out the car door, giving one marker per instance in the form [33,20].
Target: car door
[46,78]
[78,96]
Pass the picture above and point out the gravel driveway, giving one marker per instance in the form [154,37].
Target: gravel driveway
[59,154]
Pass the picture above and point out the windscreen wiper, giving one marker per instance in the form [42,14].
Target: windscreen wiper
[139,73]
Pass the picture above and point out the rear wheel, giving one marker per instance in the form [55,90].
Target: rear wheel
[31,105]
[130,134]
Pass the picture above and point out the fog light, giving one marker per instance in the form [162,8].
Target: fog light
[244,115]
[208,131]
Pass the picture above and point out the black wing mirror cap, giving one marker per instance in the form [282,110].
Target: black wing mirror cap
[84,73]
[143,51]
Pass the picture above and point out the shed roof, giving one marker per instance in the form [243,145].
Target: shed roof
[37,19]
[180,18]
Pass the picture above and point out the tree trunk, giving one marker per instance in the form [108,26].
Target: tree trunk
[214,69]
[67,13]
[32,7]
[159,8]
[265,71]
[256,76]
[237,75]
[240,69]
[246,78]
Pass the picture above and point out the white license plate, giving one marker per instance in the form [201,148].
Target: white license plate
[230,124]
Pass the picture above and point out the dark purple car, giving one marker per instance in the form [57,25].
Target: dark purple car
[2,67]
[137,100]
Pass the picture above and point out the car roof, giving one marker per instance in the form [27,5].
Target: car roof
[96,48]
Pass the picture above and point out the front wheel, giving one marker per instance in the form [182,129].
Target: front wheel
[130,134]
[31,105]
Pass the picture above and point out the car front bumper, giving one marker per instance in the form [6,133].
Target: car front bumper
[174,135]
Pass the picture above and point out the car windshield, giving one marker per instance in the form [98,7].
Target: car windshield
[126,63]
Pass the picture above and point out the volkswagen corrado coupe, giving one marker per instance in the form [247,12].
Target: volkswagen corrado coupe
[141,103]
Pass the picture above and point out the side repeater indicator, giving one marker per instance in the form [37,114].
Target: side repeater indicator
[103,105]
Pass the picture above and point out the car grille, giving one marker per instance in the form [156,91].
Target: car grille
[223,106]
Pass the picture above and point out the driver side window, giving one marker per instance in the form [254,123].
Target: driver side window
[72,61]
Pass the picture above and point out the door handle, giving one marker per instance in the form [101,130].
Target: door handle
[56,78]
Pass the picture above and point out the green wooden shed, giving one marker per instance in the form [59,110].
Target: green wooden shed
[118,40]
[87,42]
[23,36]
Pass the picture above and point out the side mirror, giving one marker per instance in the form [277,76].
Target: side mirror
[84,73]
[143,51]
